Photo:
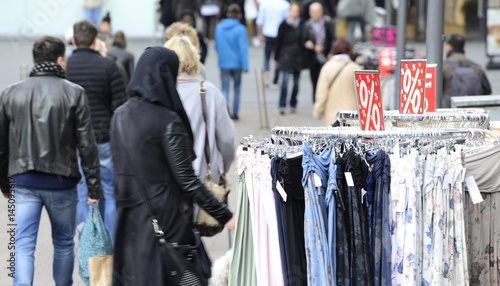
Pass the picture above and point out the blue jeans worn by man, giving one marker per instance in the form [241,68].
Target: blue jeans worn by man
[284,90]
[226,76]
[107,204]
[270,45]
[61,208]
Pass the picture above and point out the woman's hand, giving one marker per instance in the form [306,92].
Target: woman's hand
[92,201]
[231,223]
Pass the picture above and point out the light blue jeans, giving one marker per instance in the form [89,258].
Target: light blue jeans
[107,203]
[61,208]
[93,16]
[226,75]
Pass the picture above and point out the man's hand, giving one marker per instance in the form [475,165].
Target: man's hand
[231,223]
[261,39]
[309,45]
[276,64]
[319,49]
[92,201]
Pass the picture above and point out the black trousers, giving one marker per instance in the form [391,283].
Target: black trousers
[314,70]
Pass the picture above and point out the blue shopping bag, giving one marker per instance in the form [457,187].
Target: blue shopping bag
[94,241]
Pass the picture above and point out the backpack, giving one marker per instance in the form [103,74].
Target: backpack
[465,80]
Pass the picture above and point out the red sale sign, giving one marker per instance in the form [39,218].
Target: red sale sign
[385,63]
[430,88]
[412,83]
[367,84]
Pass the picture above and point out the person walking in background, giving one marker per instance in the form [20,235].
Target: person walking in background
[329,8]
[271,14]
[104,33]
[153,130]
[461,76]
[335,90]
[231,44]
[92,9]
[218,126]
[105,90]
[251,10]
[209,10]
[189,18]
[319,35]
[356,12]
[224,4]
[44,121]
[119,54]
[289,55]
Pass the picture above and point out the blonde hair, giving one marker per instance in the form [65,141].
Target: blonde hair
[187,53]
[182,29]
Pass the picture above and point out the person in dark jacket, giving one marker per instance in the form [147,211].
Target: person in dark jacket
[103,84]
[44,121]
[121,56]
[172,10]
[157,136]
[288,55]
[319,35]
[189,18]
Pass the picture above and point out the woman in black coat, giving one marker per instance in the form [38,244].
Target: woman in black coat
[289,55]
[158,139]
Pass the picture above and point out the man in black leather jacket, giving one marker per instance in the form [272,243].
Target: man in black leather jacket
[43,121]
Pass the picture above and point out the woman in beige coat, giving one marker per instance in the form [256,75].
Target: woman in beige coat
[335,90]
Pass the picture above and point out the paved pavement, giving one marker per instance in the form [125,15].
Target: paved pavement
[14,53]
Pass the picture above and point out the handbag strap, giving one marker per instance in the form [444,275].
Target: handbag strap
[337,75]
[156,227]
[203,93]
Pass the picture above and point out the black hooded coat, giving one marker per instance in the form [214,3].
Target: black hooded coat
[158,139]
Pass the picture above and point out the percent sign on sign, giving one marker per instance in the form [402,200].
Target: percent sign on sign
[370,111]
[412,83]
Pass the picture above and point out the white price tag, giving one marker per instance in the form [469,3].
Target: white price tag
[317,181]
[281,191]
[363,194]
[475,194]
[349,180]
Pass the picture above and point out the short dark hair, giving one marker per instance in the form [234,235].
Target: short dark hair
[120,40]
[84,34]
[234,11]
[342,46]
[48,49]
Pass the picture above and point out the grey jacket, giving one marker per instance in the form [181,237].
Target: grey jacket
[357,8]
[220,126]
[30,139]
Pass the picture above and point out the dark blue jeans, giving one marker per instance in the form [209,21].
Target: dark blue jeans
[284,88]
[268,50]
[226,76]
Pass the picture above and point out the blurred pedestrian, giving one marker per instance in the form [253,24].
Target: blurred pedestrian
[319,35]
[119,54]
[218,126]
[172,10]
[182,29]
[190,19]
[231,44]
[92,9]
[104,34]
[105,90]
[335,90]
[271,14]
[461,76]
[44,122]
[251,10]
[209,10]
[224,4]
[329,8]
[156,138]
[357,12]
[289,55]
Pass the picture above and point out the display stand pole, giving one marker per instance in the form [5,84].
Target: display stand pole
[400,45]
[434,43]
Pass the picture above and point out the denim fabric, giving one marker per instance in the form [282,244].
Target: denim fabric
[351,26]
[93,15]
[270,46]
[319,270]
[226,76]
[61,208]
[107,203]
[332,217]
[284,88]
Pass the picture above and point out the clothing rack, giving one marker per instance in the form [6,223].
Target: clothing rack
[451,118]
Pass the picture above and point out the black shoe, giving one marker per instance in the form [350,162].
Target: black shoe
[235,117]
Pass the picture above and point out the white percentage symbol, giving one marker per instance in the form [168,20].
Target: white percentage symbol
[414,95]
[366,98]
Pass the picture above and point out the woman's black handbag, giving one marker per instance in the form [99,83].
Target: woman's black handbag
[185,264]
